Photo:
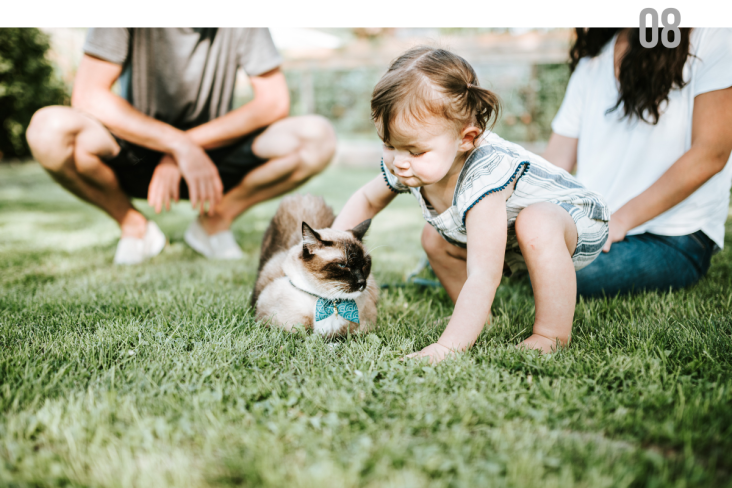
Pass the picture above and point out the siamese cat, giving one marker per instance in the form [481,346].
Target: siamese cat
[312,275]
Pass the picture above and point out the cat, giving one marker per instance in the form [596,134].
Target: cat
[304,267]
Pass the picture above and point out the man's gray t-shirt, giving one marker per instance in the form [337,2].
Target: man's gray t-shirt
[184,77]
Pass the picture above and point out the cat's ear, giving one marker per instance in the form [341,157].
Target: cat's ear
[360,230]
[310,239]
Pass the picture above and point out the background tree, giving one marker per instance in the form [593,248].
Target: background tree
[27,83]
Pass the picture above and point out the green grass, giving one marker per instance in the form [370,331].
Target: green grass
[157,375]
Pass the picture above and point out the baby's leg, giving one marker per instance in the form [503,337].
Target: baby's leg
[547,236]
[447,261]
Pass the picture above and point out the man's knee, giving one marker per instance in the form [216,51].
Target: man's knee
[63,139]
[319,140]
[51,130]
[318,130]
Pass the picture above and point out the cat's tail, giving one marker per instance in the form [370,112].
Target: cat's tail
[285,228]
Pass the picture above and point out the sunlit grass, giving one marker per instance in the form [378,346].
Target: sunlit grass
[157,375]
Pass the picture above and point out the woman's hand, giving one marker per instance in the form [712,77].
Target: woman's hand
[435,352]
[617,231]
[164,185]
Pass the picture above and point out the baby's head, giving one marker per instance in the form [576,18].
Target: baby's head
[429,106]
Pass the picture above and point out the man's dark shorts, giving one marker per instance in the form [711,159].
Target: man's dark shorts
[134,165]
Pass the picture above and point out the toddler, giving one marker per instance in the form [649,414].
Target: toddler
[490,205]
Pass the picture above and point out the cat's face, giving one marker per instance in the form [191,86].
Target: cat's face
[336,260]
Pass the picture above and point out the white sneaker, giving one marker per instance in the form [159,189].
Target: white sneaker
[221,245]
[131,250]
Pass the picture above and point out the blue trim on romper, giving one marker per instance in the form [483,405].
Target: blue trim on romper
[386,180]
[502,187]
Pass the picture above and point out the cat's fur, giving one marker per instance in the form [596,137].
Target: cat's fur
[298,248]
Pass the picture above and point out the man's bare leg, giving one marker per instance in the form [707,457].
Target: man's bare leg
[297,148]
[69,145]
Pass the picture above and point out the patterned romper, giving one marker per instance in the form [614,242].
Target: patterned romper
[492,167]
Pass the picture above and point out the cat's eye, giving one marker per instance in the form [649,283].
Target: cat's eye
[341,265]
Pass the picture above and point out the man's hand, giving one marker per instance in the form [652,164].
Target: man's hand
[165,184]
[435,352]
[201,175]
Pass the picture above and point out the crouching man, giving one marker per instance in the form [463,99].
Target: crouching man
[171,133]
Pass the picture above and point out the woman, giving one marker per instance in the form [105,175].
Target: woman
[651,131]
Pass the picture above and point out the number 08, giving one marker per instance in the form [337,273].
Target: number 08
[667,27]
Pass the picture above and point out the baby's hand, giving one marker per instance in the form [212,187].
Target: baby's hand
[435,352]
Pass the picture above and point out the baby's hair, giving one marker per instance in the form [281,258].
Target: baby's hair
[426,81]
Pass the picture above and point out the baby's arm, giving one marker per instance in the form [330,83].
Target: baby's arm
[486,228]
[369,200]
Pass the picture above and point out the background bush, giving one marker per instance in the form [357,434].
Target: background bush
[27,83]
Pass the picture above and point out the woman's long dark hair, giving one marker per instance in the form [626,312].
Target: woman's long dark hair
[647,75]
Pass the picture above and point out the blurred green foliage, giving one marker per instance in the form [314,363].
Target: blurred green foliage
[552,79]
[529,109]
[27,83]
[344,96]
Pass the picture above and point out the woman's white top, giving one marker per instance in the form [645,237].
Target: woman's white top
[620,158]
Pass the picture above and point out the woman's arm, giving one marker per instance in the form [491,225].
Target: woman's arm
[711,144]
[486,227]
[369,200]
[561,151]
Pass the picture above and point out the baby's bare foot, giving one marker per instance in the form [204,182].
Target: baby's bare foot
[536,341]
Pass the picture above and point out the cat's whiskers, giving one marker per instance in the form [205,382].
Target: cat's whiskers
[369,251]
[331,289]
[335,290]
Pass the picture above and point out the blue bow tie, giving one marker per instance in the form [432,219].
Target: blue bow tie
[347,309]
[324,307]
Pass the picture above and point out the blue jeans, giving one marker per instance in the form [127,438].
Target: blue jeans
[647,262]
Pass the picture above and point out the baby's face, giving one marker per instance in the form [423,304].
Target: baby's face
[421,153]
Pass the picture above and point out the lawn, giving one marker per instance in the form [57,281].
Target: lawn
[157,375]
